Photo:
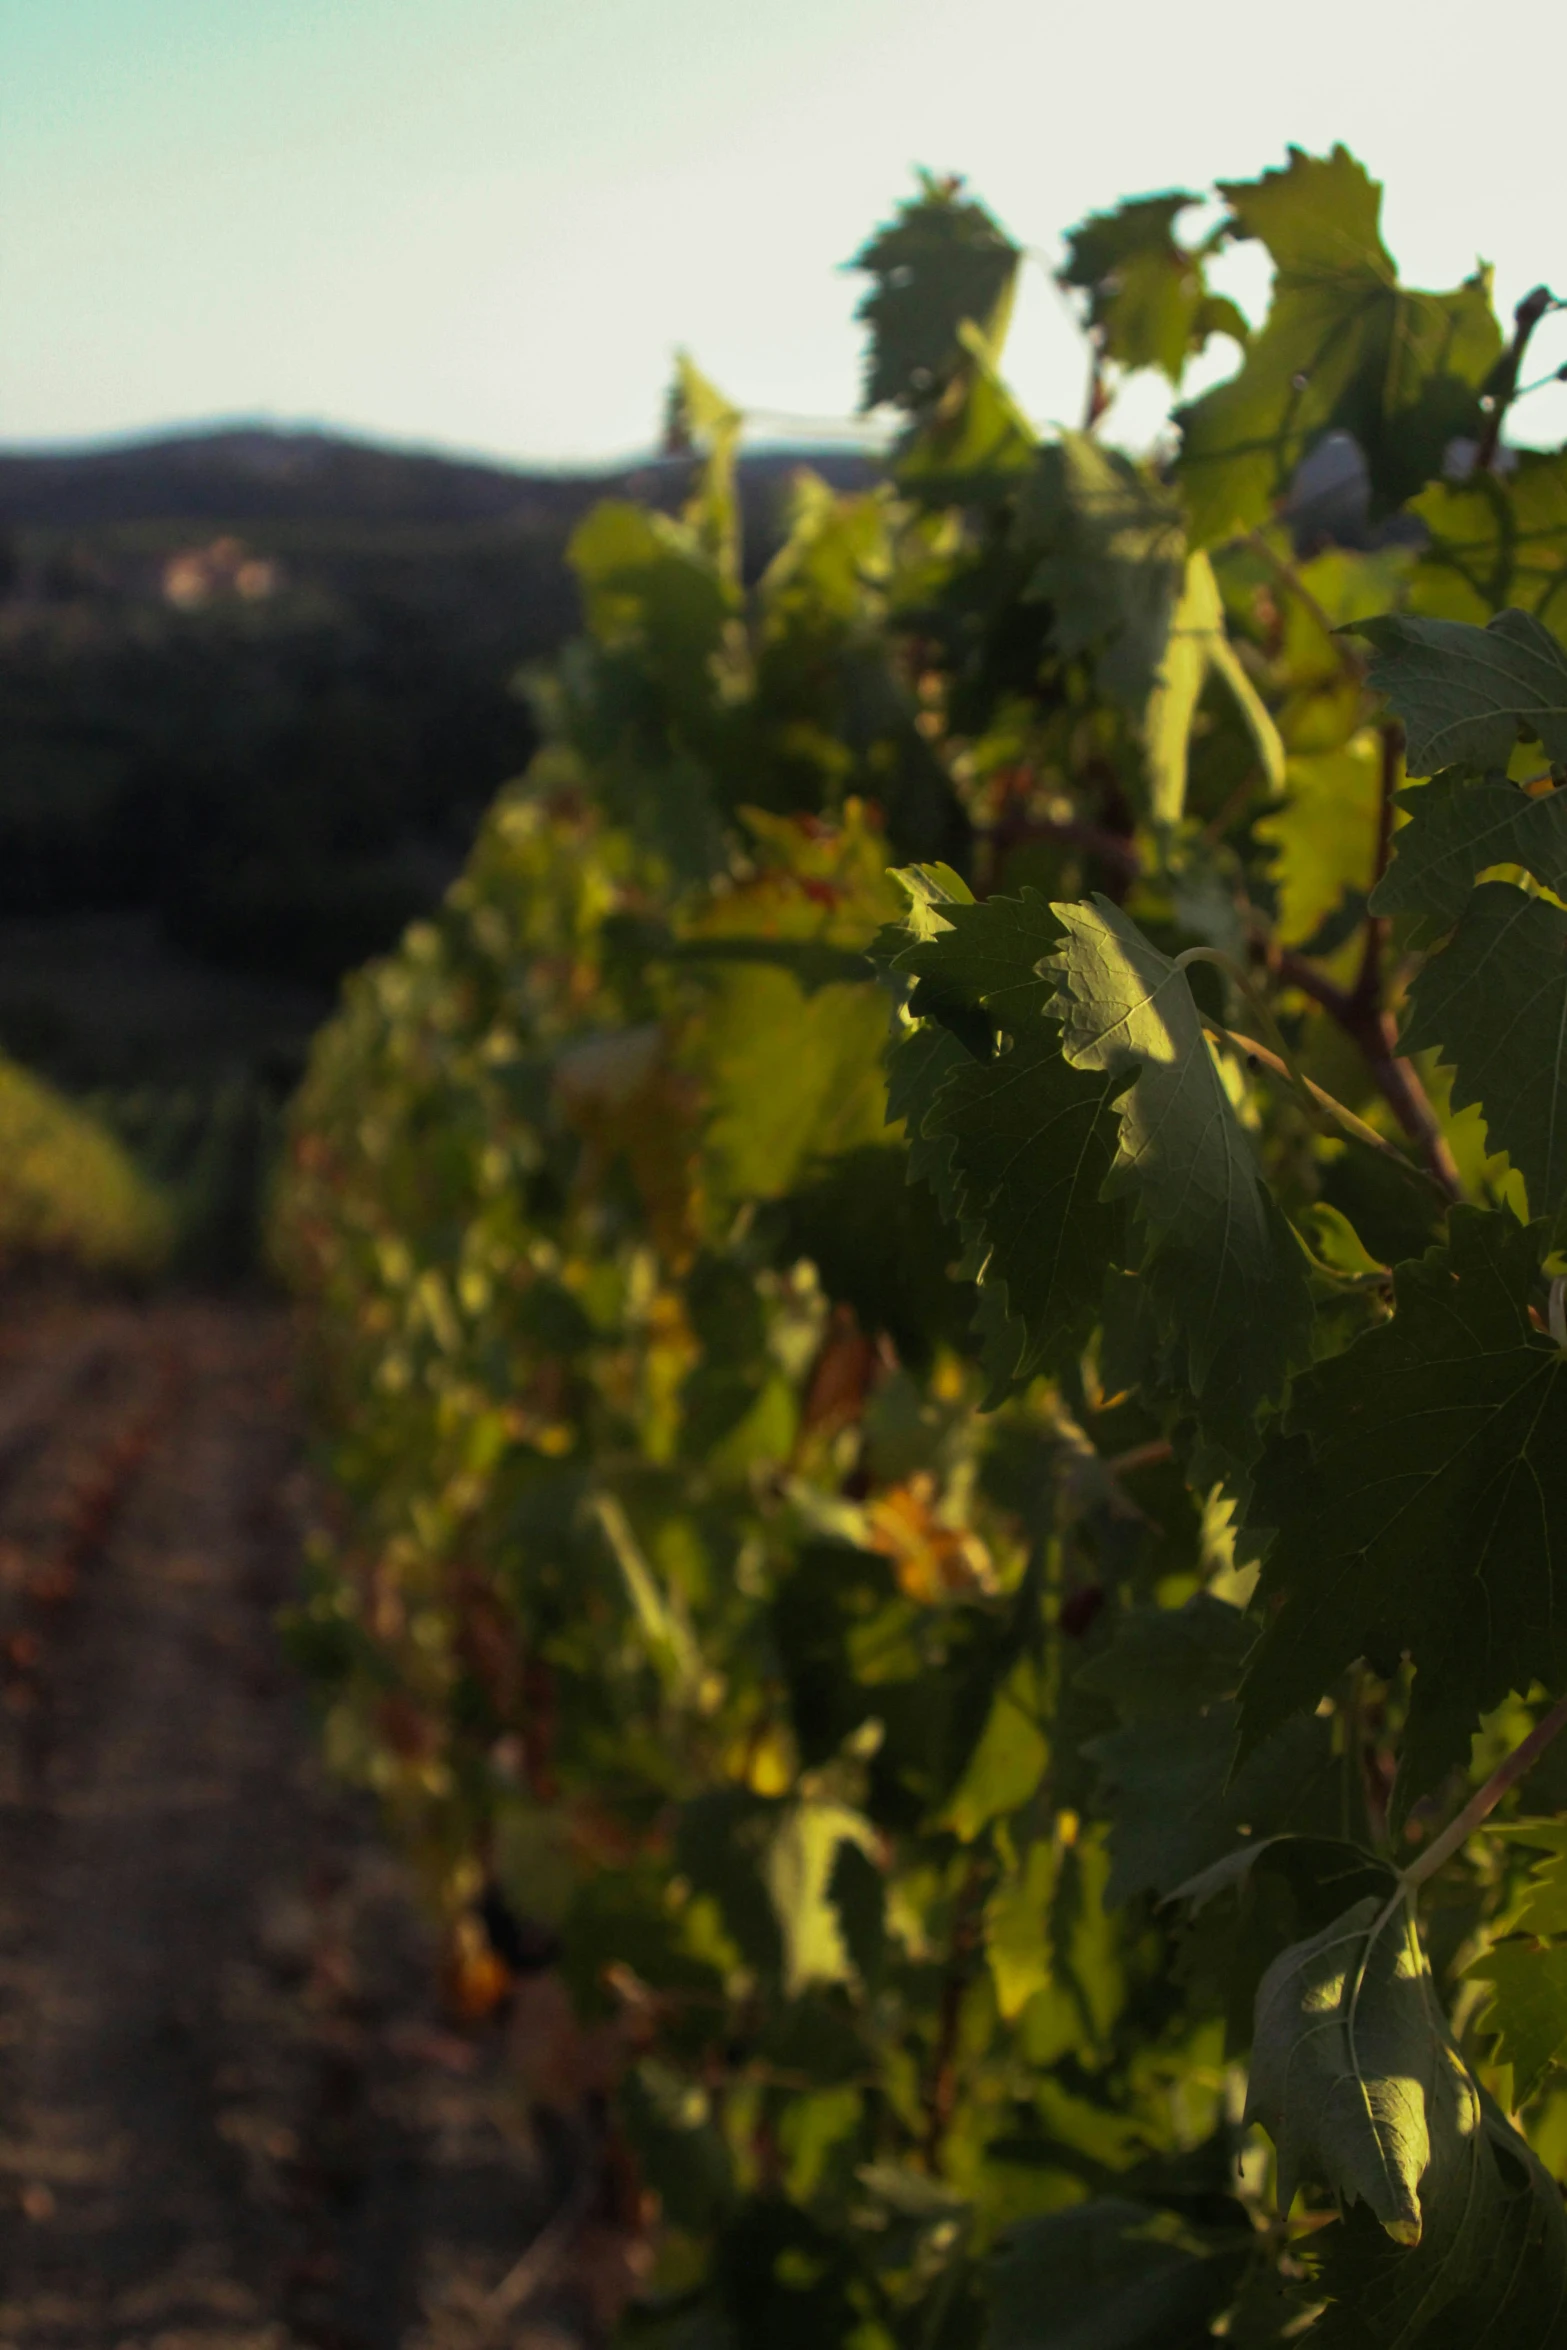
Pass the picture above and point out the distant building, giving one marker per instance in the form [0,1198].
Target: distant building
[197,576]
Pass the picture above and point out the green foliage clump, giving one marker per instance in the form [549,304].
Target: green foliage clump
[68,1186]
[948,1478]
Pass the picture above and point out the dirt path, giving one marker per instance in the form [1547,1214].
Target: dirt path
[230,2116]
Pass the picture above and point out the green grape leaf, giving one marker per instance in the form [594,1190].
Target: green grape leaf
[1496,540]
[799,1870]
[1420,1498]
[637,698]
[918,1067]
[857,1891]
[811,961]
[1324,836]
[1032,1143]
[1262,1896]
[1021,1142]
[790,1078]
[1198,647]
[1545,1910]
[1165,1779]
[1527,2009]
[1110,545]
[1319,1872]
[1355,2079]
[1017,1928]
[1344,348]
[1003,1772]
[1109,2275]
[942,260]
[649,587]
[921,1060]
[989,955]
[1491,2265]
[721,1842]
[1493,1005]
[829,569]
[880,1245]
[1466,694]
[1148,303]
[977,446]
[697,414]
[1457,828]
[1227,1274]
[1352,2074]
[700,417]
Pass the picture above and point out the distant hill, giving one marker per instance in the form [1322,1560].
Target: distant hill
[256,688]
[259,474]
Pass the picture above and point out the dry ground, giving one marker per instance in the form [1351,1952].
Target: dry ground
[231,2115]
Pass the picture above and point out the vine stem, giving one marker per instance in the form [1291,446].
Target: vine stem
[941,2088]
[1113,847]
[1319,1097]
[1289,577]
[1367,990]
[1375,1032]
[1526,318]
[1362,1014]
[1459,1829]
[1485,1799]
[1271,1029]
[1359,1012]
[1279,1058]
[1099,395]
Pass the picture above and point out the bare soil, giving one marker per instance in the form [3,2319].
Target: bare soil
[232,2115]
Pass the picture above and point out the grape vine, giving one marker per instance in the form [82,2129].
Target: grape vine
[934,1310]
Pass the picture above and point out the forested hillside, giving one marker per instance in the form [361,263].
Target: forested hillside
[260,686]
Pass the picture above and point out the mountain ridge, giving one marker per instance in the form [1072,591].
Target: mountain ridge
[266,473]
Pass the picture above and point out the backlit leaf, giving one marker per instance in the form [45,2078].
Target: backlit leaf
[1148,301]
[799,1874]
[1344,348]
[791,1078]
[1197,647]
[1017,1928]
[701,418]
[1007,1765]
[1545,1910]
[1325,834]
[1527,2009]
[1496,540]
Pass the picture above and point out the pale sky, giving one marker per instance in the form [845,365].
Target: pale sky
[486,224]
